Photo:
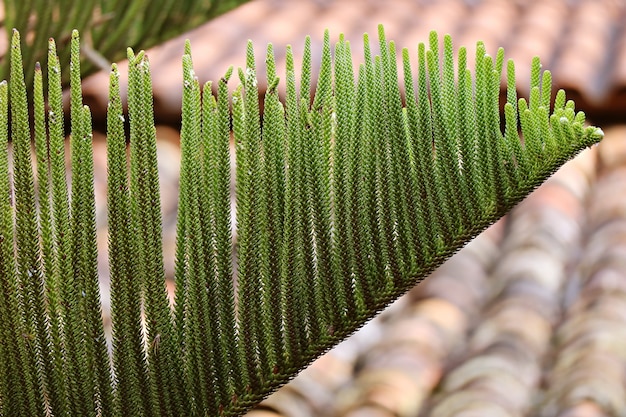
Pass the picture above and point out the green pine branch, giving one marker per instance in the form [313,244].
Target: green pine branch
[107,27]
[343,203]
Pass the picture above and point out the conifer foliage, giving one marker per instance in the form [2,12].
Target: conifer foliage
[343,203]
[107,27]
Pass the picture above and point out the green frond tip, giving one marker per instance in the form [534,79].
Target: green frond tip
[341,207]
[228,74]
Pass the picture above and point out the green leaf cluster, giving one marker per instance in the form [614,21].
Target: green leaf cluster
[106,26]
[343,203]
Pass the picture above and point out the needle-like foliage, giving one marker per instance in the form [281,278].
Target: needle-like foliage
[343,202]
[107,26]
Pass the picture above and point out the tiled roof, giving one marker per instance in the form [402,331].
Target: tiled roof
[582,41]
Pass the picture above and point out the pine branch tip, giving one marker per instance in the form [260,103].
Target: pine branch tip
[596,133]
[433,38]
[289,59]
[242,76]
[228,74]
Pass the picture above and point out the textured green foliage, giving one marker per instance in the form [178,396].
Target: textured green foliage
[108,26]
[344,200]
[29,268]
[129,362]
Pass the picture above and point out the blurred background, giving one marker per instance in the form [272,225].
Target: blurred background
[530,318]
